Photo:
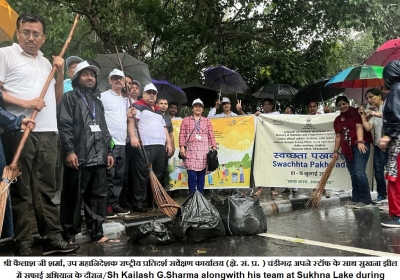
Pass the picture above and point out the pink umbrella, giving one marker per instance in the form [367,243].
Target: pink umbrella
[384,54]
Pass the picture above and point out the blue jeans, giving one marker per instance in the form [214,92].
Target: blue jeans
[380,161]
[8,228]
[196,178]
[359,180]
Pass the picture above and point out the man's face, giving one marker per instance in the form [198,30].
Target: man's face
[173,110]
[267,107]
[71,69]
[150,97]
[163,105]
[87,79]
[312,108]
[226,107]
[134,91]
[117,82]
[30,37]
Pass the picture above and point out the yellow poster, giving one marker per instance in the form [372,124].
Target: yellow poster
[295,150]
[235,141]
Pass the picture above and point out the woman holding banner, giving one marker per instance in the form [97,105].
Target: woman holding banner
[195,139]
[354,143]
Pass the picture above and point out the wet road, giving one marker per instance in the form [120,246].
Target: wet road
[332,226]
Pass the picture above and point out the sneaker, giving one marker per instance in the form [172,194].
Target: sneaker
[360,205]
[60,246]
[120,211]
[110,213]
[381,199]
[393,223]
[27,251]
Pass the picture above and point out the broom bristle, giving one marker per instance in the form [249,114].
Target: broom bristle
[166,204]
[10,173]
[315,198]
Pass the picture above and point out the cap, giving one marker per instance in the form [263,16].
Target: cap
[116,72]
[225,100]
[150,87]
[71,59]
[197,101]
[136,82]
[84,65]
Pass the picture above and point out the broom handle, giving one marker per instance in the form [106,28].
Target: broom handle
[43,93]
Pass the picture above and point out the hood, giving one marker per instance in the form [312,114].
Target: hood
[391,73]
[76,79]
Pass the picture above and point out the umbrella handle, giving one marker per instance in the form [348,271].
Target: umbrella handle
[43,93]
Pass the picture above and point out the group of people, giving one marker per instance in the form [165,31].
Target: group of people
[100,143]
[354,140]
[104,143]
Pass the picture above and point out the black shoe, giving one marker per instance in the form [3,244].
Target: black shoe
[23,252]
[60,246]
[139,209]
[286,191]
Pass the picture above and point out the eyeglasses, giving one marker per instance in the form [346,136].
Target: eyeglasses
[27,34]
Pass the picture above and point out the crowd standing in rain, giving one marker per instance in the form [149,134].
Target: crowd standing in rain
[104,141]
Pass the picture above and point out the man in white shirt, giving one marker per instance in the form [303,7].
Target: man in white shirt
[226,109]
[155,140]
[23,73]
[115,112]
[173,110]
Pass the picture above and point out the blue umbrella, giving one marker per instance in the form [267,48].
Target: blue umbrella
[225,80]
[170,92]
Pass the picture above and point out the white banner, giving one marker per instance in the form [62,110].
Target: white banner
[295,150]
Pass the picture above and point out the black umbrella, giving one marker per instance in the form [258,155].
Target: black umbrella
[276,92]
[170,92]
[137,69]
[316,91]
[225,80]
[207,94]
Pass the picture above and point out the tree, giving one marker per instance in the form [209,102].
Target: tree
[266,41]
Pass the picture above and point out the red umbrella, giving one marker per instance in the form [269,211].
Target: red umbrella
[384,54]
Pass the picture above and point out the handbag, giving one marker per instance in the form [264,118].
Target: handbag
[212,160]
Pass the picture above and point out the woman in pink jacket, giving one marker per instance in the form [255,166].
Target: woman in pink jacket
[195,139]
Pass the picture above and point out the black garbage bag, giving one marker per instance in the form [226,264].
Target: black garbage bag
[241,214]
[153,233]
[200,221]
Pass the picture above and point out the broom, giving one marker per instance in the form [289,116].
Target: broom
[11,172]
[167,205]
[315,198]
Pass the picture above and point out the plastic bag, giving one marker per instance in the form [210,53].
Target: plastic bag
[241,214]
[200,221]
[153,233]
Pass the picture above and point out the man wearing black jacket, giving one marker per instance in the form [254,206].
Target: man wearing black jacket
[85,141]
